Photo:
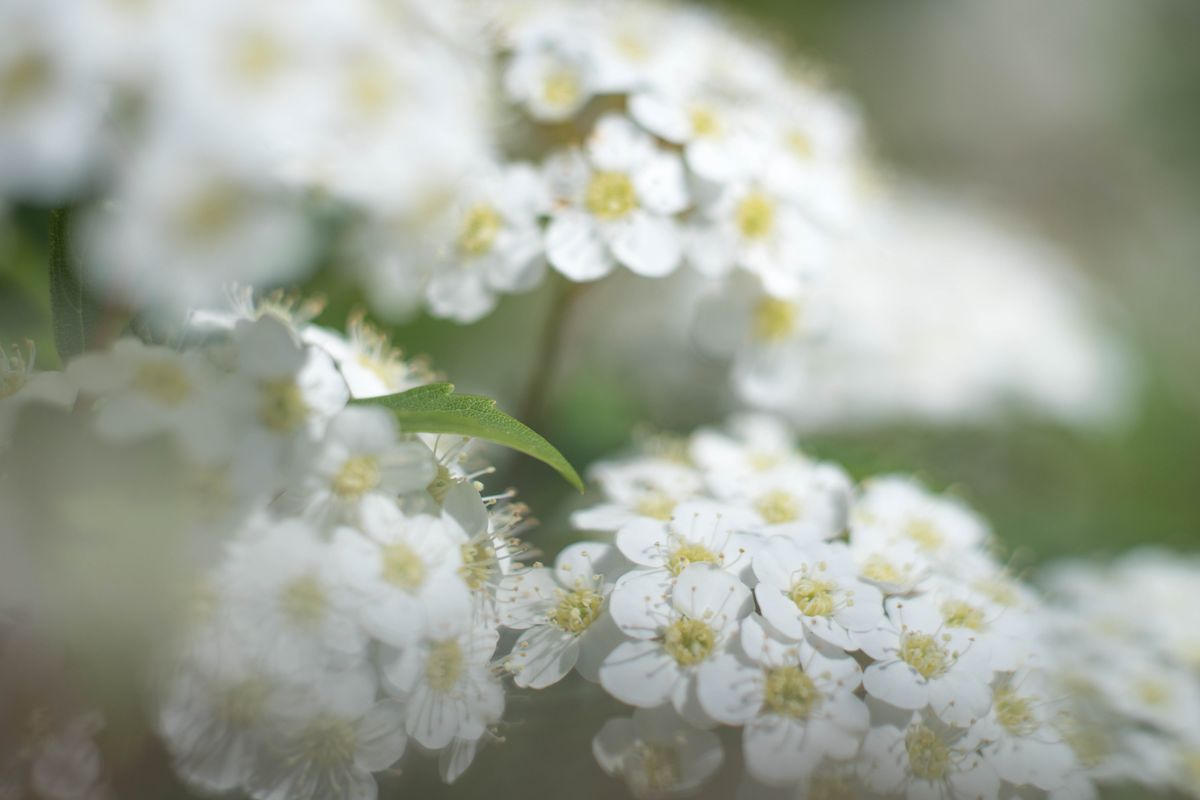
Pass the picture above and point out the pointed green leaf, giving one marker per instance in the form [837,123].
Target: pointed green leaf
[435,408]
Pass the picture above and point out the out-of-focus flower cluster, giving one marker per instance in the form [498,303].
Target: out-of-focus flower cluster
[930,313]
[1127,650]
[644,136]
[346,606]
[209,135]
[864,639]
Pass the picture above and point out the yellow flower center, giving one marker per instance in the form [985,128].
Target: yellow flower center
[791,693]
[924,534]
[369,86]
[777,507]
[610,195]
[689,641]
[561,89]
[660,765]
[1014,712]
[163,380]
[256,57]
[928,755]
[210,212]
[878,568]
[813,597]
[478,561]
[281,405]
[26,77]
[402,567]
[755,215]
[689,553]
[705,122]
[441,483]
[329,742]
[774,320]
[1152,692]
[1191,767]
[829,787]
[799,143]
[242,704]
[357,476]
[480,228]
[961,614]
[925,654]
[576,611]
[656,505]
[304,601]
[444,665]
[999,591]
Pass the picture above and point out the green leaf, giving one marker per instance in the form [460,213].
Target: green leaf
[73,312]
[435,408]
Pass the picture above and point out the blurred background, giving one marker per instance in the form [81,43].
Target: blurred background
[1079,119]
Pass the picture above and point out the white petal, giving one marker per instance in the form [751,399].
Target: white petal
[640,673]
[649,245]
[897,683]
[574,247]
[542,656]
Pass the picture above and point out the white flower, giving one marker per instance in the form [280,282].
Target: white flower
[926,759]
[675,629]
[142,390]
[551,79]
[280,394]
[326,743]
[716,135]
[796,700]
[753,225]
[398,566]
[289,601]
[213,714]
[896,567]
[51,103]
[446,680]
[1020,736]
[815,588]
[656,753]
[494,243]
[636,489]
[897,509]
[562,615]
[369,363]
[920,662]
[745,447]
[805,502]
[360,456]
[617,202]
[699,532]
[182,224]
[20,386]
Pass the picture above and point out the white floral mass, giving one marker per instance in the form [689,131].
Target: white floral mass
[329,596]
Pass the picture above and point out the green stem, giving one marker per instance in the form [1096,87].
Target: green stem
[536,404]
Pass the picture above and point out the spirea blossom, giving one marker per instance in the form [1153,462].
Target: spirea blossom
[349,602]
[856,633]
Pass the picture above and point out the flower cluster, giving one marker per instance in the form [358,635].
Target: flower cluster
[1127,647]
[647,136]
[863,638]
[930,312]
[213,132]
[350,600]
